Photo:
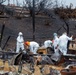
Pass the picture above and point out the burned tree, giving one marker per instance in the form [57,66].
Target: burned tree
[4,9]
[34,7]
[1,1]
[39,5]
[1,6]
[67,25]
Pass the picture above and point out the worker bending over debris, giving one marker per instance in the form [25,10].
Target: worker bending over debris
[48,46]
[48,43]
[32,46]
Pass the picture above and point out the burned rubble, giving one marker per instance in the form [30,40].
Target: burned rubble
[45,25]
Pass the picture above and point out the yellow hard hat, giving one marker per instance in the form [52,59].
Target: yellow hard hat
[27,43]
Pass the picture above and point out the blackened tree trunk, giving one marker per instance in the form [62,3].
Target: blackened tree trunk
[67,25]
[33,19]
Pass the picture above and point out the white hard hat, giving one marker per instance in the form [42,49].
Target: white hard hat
[20,33]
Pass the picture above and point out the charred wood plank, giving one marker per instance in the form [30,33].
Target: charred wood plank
[4,16]
[14,53]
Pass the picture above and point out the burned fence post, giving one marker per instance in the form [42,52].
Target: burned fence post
[2,30]
[33,19]
[6,42]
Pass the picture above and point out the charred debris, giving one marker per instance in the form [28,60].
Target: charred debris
[20,58]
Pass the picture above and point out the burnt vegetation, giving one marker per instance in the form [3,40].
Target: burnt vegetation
[66,13]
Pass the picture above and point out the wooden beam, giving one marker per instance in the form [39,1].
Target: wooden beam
[3,16]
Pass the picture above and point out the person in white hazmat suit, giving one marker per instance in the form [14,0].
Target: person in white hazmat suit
[55,42]
[20,42]
[63,40]
[33,46]
[48,43]
[48,46]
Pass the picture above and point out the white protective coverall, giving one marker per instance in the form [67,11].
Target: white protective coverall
[20,42]
[48,43]
[63,40]
[33,47]
[55,42]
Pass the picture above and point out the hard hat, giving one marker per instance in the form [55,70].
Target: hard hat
[27,43]
[55,34]
[20,33]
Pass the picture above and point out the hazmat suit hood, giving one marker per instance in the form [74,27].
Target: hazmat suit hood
[65,33]
[55,35]
[20,33]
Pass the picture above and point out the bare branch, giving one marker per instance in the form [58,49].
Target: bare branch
[1,1]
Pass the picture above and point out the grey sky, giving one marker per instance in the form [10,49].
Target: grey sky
[65,2]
